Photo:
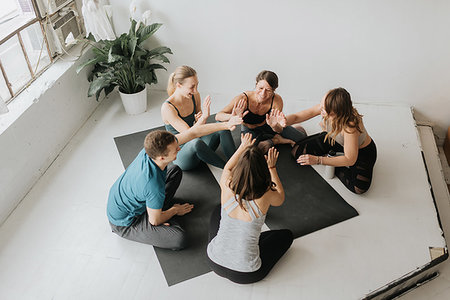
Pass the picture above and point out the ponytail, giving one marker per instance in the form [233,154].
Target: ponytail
[171,85]
[178,76]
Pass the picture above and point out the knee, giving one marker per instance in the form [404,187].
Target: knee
[179,242]
[288,237]
[176,173]
[198,144]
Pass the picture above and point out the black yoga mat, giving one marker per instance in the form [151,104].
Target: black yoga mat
[311,204]
[198,187]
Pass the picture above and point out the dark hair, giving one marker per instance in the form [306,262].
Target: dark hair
[250,178]
[156,143]
[270,77]
[339,103]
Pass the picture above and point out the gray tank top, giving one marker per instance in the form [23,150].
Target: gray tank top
[236,244]
[340,138]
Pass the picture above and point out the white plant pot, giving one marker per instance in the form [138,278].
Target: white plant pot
[134,103]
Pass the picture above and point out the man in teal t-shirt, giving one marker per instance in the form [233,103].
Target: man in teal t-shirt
[140,202]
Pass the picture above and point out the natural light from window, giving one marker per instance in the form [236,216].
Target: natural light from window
[14,14]
[23,51]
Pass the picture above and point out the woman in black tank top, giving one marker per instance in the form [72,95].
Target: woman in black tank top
[254,106]
[181,111]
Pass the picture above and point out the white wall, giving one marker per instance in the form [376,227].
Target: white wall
[31,144]
[381,51]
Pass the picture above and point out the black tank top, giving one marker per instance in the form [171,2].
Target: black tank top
[252,118]
[189,119]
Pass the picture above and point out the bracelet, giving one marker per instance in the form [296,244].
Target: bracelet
[319,160]
[272,167]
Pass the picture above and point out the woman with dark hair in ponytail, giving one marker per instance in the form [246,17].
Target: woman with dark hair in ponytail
[237,249]
[183,110]
[343,131]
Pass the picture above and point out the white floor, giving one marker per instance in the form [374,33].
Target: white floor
[57,244]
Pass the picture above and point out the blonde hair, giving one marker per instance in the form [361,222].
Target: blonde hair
[178,76]
[338,102]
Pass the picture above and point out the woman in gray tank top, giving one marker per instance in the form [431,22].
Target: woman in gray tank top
[237,249]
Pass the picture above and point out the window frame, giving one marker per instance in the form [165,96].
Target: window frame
[17,32]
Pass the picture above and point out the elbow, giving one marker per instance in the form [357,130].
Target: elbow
[351,161]
[154,221]
[279,201]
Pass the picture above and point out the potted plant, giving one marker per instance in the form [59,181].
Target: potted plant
[124,62]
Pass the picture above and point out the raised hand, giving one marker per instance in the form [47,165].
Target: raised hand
[272,157]
[276,117]
[247,140]
[206,107]
[202,116]
[233,121]
[239,108]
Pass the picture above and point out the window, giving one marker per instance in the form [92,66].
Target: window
[32,33]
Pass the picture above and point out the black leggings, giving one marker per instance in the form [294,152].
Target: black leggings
[356,178]
[272,245]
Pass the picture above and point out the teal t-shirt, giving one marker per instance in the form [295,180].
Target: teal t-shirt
[142,185]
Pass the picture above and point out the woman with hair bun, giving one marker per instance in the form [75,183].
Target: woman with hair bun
[183,110]
[344,132]
[256,108]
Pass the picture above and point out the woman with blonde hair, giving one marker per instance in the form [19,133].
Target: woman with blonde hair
[183,110]
[237,249]
[344,132]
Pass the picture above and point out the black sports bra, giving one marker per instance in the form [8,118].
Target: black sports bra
[252,118]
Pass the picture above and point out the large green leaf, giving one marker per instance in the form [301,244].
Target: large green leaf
[147,32]
[109,89]
[159,50]
[162,58]
[100,52]
[87,63]
[97,85]
[114,57]
[156,66]
[132,31]
[132,45]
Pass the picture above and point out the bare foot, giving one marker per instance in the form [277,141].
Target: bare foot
[278,139]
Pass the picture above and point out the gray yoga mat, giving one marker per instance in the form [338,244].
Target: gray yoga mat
[311,204]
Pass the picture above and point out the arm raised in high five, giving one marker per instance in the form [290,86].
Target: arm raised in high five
[205,129]
[246,141]
[277,193]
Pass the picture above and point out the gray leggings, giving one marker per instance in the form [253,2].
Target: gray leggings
[203,149]
[162,236]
